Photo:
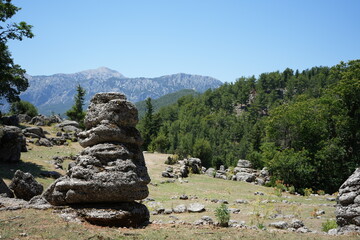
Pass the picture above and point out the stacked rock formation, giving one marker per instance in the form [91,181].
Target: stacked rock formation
[110,172]
[348,207]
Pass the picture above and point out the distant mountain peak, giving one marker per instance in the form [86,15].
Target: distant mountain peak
[101,73]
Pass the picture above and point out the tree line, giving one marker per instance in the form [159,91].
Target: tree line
[304,126]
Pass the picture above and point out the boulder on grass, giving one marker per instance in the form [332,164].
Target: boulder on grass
[25,186]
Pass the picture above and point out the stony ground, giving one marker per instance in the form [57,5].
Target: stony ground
[253,218]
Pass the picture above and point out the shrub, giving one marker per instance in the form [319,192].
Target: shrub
[308,191]
[291,189]
[329,224]
[223,215]
[321,192]
[23,107]
[171,160]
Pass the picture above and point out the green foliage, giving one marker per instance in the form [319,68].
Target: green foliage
[295,123]
[171,160]
[308,192]
[202,150]
[12,76]
[76,112]
[163,101]
[223,215]
[329,224]
[23,107]
[291,189]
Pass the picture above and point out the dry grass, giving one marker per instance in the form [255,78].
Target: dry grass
[40,224]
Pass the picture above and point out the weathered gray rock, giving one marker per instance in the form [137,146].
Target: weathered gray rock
[210,172]
[110,133]
[24,118]
[246,177]
[112,107]
[180,208]
[126,214]
[44,142]
[296,223]
[40,120]
[110,173]
[4,190]
[55,119]
[194,165]
[108,170]
[71,129]
[11,143]
[34,132]
[244,164]
[25,186]
[348,207]
[68,123]
[196,207]
[279,225]
[91,181]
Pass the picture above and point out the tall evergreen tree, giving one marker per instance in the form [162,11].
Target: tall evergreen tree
[148,124]
[76,112]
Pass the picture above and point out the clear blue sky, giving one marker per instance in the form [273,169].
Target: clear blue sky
[225,39]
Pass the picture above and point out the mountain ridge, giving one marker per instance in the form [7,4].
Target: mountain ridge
[55,93]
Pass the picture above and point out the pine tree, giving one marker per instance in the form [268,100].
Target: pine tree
[76,112]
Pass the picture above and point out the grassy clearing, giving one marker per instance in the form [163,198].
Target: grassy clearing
[37,224]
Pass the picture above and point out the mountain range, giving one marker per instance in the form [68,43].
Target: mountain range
[55,93]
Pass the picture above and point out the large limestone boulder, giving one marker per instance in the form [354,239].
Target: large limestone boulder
[111,170]
[34,132]
[112,107]
[11,144]
[25,186]
[109,132]
[348,206]
[125,214]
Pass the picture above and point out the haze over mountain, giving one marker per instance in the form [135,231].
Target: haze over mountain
[55,93]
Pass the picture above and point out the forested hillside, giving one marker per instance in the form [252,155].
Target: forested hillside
[165,100]
[304,126]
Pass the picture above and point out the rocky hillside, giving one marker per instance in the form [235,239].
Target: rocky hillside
[55,93]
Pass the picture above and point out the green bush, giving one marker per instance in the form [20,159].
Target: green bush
[291,189]
[171,160]
[308,191]
[23,107]
[223,215]
[329,224]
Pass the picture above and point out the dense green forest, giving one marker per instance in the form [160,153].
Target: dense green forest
[163,101]
[304,126]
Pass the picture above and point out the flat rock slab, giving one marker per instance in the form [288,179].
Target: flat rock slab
[196,207]
[128,214]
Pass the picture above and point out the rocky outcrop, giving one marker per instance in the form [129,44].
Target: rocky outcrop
[111,169]
[11,144]
[25,186]
[348,204]
[34,132]
[183,168]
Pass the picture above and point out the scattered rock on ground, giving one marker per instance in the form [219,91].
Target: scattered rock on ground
[279,225]
[196,207]
[25,186]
